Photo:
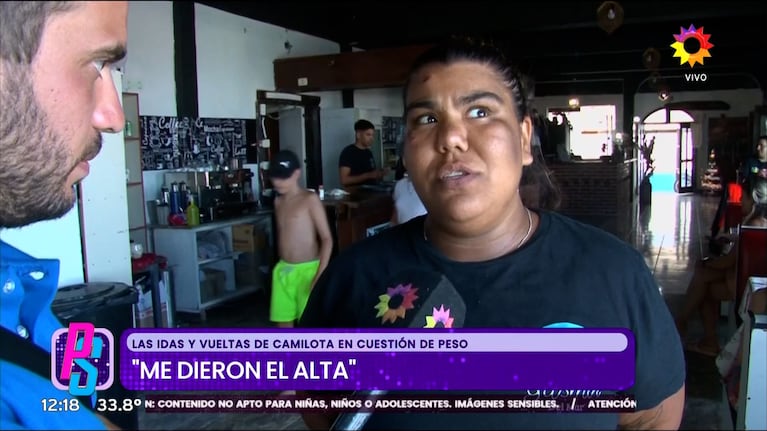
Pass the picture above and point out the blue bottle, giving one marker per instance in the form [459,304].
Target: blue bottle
[175,199]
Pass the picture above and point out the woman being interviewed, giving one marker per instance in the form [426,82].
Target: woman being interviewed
[468,133]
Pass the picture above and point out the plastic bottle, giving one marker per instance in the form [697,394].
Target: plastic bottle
[322,192]
[175,199]
[192,213]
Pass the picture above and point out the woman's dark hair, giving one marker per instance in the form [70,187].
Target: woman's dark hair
[465,49]
[454,50]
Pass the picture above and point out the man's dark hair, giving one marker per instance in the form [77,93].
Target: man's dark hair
[362,125]
[761,138]
[21,27]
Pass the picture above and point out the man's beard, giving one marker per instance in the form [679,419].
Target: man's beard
[34,160]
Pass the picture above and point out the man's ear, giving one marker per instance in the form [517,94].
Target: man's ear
[525,135]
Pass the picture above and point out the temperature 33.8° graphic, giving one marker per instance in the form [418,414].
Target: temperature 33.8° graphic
[691,57]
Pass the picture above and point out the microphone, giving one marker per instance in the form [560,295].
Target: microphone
[417,298]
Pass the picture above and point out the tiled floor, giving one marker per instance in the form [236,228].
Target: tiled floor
[670,235]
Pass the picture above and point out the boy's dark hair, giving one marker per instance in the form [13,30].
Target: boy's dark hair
[362,125]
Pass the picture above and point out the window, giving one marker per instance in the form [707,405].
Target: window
[675,116]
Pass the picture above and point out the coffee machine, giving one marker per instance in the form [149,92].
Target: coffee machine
[221,194]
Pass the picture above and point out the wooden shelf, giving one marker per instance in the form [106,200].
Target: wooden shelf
[134,183]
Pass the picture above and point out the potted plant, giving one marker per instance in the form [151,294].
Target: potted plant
[648,167]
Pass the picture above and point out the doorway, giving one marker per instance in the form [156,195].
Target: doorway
[293,136]
[302,111]
[674,152]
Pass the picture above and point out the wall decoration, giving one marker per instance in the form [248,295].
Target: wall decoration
[184,142]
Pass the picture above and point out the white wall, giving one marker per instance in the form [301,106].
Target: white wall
[388,100]
[235,57]
[35,240]
[150,64]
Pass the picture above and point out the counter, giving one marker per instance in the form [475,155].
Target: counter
[351,215]
[599,193]
[217,262]
[219,223]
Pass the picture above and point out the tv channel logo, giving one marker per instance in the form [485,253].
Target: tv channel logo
[82,359]
[695,52]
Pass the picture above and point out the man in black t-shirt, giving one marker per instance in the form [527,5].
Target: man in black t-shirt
[756,166]
[356,163]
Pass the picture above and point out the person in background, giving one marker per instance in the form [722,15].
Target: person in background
[756,165]
[356,163]
[399,169]
[468,133]
[728,175]
[303,240]
[714,279]
[407,204]
[57,97]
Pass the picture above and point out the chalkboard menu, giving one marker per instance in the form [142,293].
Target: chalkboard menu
[184,142]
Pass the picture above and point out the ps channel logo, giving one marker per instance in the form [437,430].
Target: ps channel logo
[82,359]
[691,46]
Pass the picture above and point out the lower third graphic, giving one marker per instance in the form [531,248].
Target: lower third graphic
[82,359]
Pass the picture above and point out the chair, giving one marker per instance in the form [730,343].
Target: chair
[751,258]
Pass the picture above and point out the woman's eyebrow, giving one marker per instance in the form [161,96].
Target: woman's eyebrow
[479,95]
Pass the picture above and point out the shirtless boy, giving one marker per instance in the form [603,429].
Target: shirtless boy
[303,239]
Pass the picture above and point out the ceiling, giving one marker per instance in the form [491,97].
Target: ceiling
[559,44]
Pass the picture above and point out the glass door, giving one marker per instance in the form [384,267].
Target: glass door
[685,174]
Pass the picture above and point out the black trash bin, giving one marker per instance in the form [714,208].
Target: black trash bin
[110,306]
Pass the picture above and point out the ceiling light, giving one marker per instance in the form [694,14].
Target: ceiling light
[574,103]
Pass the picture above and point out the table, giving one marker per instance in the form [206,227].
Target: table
[351,215]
